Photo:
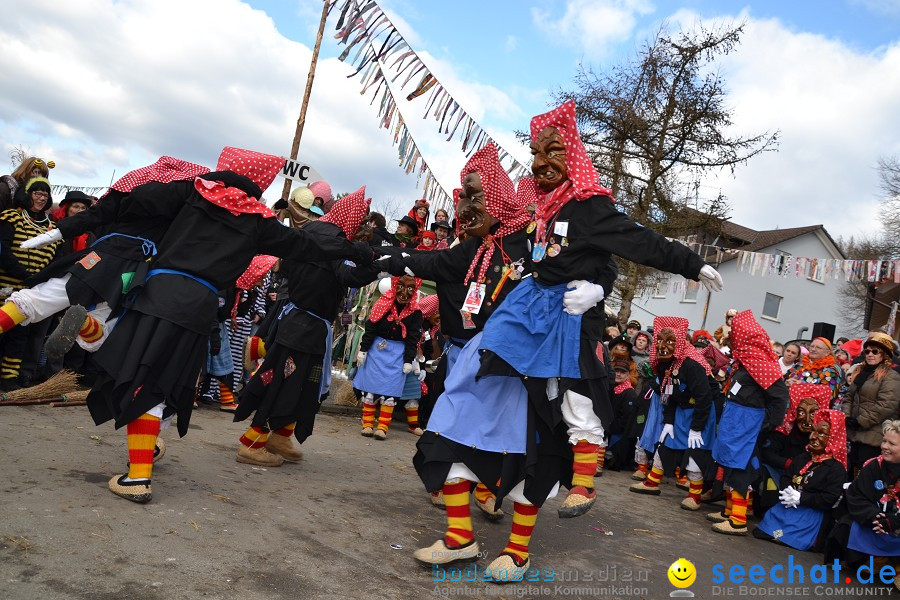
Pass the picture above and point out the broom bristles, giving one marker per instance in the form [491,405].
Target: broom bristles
[64,382]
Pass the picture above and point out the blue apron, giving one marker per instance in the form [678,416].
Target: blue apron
[382,373]
[683,425]
[325,382]
[796,527]
[653,426]
[412,387]
[863,539]
[531,332]
[221,364]
[738,432]
[488,414]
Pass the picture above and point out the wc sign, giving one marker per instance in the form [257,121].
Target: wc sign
[300,172]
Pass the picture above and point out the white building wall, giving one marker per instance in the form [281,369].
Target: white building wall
[804,301]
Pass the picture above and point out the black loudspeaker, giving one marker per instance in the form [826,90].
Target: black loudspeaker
[825,330]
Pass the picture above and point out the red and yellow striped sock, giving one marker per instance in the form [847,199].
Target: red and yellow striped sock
[368,416]
[412,417]
[287,430]
[226,396]
[482,493]
[601,457]
[654,477]
[142,434]
[738,509]
[585,464]
[695,488]
[749,502]
[255,437]
[256,348]
[728,503]
[524,518]
[642,468]
[459,519]
[91,330]
[10,316]
[384,417]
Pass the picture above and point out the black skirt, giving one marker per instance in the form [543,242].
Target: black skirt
[147,361]
[284,390]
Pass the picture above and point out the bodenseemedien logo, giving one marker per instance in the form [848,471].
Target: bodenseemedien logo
[682,575]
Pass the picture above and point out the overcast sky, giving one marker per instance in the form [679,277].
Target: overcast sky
[104,86]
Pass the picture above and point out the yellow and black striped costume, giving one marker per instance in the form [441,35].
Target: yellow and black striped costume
[31,260]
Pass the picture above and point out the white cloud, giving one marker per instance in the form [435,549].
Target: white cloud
[108,85]
[837,110]
[511,43]
[592,26]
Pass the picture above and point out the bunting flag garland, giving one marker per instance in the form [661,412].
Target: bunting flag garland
[383,57]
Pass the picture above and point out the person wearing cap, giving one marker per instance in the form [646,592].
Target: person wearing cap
[298,207]
[17,225]
[419,213]
[442,231]
[429,241]
[632,328]
[323,198]
[817,366]
[874,396]
[407,232]
[75,202]
[624,429]
[723,332]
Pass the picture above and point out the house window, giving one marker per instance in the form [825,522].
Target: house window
[690,291]
[772,306]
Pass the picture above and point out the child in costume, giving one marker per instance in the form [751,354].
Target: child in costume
[248,310]
[688,432]
[285,392]
[388,368]
[550,330]
[811,487]
[756,400]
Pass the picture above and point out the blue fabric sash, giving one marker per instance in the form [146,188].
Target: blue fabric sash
[203,282]
[148,246]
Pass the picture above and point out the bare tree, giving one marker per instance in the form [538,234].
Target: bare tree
[391,208]
[889,175]
[654,126]
[852,302]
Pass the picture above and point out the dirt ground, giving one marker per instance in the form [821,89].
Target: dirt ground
[341,524]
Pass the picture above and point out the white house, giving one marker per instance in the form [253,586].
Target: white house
[783,305]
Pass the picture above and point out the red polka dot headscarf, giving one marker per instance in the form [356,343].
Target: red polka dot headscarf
[349,212]
[165,170]
[527,192]
[752,348]
[260,168]
[683,349]
[386,305]
[821,393]
[583,177]
[837,442]
[429,306]
[500,201]
[259,266]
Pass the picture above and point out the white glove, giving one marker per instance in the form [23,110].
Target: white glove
[407,368]
[695,440]
[789,497]
[360,358]
[421,375]
[583,297]
[45,239]
[667,431]
[711,279]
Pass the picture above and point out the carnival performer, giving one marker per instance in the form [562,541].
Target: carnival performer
[723,333]
[811,487]
[390,370]
[246,312]
[12,195]
[817,366]
[550,330]
[688,430]
[431,349]
[100,275]
[778,448]
[152,360]
[756,401]
[17,263]
[284,394]
[477,431]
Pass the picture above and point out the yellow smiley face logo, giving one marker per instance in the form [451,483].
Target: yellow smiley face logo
[682,573]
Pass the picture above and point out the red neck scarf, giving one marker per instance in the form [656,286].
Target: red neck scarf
[625,385]
[260,168]
[500,201]
[752,348]
[837,441]
[799,392]
[349,212]
[583,182]
[387,305]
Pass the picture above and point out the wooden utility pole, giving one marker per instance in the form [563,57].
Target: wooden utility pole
[309,82]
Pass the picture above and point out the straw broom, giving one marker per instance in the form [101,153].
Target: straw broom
[62,386]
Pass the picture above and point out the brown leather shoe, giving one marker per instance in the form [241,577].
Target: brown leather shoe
[284,446]
[258,456]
